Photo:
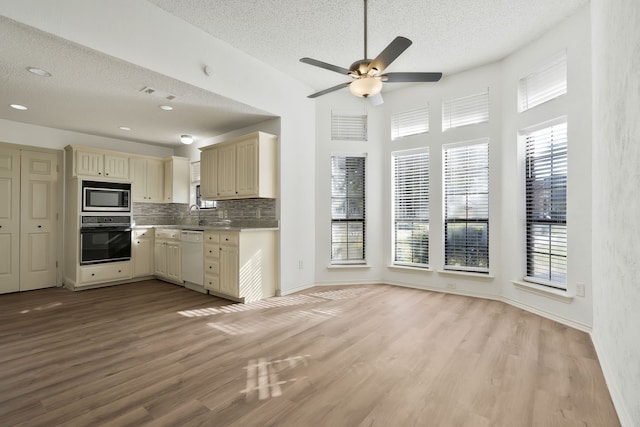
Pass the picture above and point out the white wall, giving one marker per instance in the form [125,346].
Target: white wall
[40,136]
[343,101]
[507,220]
[152,38]
[616,205]
[573,35]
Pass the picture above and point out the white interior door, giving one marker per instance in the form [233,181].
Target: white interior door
[9,220]
[38,228]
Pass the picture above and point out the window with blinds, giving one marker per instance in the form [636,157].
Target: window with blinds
[348,126]
[465,111]
[466,204]
[195,188]
[347,210]
[411,208]
[413,122]
[546,83]
[546,204]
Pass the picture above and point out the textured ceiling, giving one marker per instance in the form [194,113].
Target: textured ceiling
[93,93]
[448,35]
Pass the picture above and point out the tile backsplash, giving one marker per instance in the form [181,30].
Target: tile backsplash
[241,213]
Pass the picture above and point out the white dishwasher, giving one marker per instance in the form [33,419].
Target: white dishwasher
[193,260]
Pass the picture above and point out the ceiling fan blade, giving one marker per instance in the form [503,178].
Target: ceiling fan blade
[411,77]
[376,100]
[390,53]
[325,65]
[331,89]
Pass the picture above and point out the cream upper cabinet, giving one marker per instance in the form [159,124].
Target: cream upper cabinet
[177,180]
[97,163]
[209,166]
[147,179]
[116,166]
[245,167]
[88,163]
[227,171]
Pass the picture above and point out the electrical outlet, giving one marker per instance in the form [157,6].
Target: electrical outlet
[300,264]
[580,291]
[451,285]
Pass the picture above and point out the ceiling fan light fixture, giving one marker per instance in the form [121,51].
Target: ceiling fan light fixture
[366,86]
[186,139]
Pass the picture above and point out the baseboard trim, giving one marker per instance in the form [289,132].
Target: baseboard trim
[618,402]
[560,319]
[304,287]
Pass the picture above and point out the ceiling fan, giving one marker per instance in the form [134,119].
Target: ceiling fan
[367,74]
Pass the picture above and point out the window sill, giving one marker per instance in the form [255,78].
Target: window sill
[408,267]
[347,266]
[467,274]
[557,294]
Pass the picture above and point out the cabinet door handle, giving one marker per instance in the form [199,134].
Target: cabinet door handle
[39,226]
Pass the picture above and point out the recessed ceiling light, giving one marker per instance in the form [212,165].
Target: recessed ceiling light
[18,106]
[124,128]
[166,107]
[39,72]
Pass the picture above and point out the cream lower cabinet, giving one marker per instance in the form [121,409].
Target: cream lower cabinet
[240,265]
[102,273]
[142,252]
[167,253]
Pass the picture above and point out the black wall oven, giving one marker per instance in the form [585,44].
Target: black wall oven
[105,239]
[99,196]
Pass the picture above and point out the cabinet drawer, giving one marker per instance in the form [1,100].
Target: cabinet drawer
[105,272]
[211,251]
[230,239]
[212,282]
[167,233]
[211,267]
[211,237]
[143,233]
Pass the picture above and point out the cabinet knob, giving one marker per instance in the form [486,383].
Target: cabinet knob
[210,267]
[209,249]
[108,175]
[226,239]
[0,226]
[138,242]
[39,226]
[119,271]
[99,173]
[93,274]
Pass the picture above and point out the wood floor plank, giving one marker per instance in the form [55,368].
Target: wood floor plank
[155,354]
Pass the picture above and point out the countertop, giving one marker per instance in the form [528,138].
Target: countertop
[206,227]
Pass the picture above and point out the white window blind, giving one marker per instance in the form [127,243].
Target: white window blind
[411,208]
[548,82]
[546,205]
[347,210]
[466,200]
[465,111]
[348,126]
[413,122]
[195,172]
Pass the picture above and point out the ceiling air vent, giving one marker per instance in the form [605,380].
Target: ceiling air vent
[158,93]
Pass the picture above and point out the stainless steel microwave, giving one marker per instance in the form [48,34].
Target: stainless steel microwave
[100,196]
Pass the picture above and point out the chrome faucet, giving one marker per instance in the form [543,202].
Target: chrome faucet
[198,208]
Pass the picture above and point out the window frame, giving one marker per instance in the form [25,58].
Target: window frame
[348,221]
[563,159]
[451,219]
[424,204]
[409,123]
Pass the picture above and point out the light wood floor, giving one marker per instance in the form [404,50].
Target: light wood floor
[151,353]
